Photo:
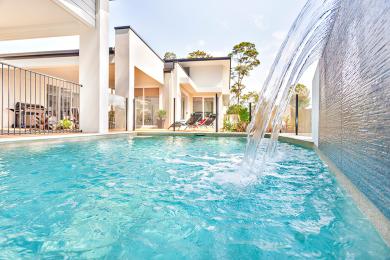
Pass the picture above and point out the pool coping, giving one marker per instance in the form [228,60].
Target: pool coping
[23,140]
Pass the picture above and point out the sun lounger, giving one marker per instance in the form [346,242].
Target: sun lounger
[194,118]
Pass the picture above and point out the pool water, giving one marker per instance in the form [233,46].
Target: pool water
[174,198]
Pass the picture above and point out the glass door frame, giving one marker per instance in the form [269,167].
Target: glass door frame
[141,99]
[203,104]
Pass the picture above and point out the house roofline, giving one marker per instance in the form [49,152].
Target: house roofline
[45,54]
[139,36]
[198,59]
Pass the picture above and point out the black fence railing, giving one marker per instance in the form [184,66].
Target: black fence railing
[35,103]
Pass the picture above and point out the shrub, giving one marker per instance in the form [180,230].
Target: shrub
[65,124]
[228,126]
[240,110]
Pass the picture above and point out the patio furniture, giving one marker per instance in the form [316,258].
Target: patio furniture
[210,121]
[194,118]
[201,122]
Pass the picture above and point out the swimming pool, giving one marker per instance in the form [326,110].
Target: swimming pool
[173,198]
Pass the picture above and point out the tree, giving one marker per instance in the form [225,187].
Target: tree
[303,96]
[169,56]
[198,54]
[250,97]
[244,55]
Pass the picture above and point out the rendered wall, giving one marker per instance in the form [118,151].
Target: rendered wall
[354,94]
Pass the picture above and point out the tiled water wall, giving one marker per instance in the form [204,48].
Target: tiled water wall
[354,129]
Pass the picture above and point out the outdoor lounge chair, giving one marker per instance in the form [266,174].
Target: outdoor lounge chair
[194,118]
[210,121]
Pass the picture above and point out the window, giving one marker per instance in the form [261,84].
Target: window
[197,105]
[204,105]
[147,105]
[52,100]
[208,106]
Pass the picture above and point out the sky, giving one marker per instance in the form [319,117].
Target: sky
[182,26]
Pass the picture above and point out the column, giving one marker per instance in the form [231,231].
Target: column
[93,70]
[124,71]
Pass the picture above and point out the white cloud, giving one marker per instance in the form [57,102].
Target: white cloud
[279,35]
[258,20]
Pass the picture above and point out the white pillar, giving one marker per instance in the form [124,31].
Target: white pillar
[93,69]
[315,111]
[124,70]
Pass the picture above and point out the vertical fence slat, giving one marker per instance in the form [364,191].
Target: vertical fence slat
[44,104]
[20,101]
[7,108]
[2,97]
[25,103]
[14,127]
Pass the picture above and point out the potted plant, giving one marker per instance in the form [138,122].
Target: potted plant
[65,124]
[161,118]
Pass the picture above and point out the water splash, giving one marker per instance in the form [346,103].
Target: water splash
[303,45]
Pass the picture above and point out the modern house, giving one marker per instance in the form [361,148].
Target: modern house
[97,87]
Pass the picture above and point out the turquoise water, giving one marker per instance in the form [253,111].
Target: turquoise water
[174,198]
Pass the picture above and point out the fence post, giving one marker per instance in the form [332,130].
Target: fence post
[174,114]
[216,113]
[296,114]
[127,113]
[133,114]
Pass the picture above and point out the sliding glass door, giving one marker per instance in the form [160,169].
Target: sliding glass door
[203,105]
[146,106]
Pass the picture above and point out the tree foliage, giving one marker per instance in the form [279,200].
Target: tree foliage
[169,56]
[250,97]
[239,110]
[244,55]
[303,96]
[198,54]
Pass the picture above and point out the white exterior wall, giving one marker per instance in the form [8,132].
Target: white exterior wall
[210,76]
[94,62]
[206,77]
[315,112]
[142,57]
[131,52]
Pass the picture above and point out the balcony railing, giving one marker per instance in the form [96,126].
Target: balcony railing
[35,103]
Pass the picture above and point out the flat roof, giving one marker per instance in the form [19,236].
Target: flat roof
[198,59]
[76,52]
[45,54]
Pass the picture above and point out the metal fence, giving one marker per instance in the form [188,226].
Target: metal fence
[35,103]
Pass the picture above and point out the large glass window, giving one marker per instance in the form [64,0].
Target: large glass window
[147,105]
[204,105]
[117,113]
[52,100]
[62,103]
[197,105]
[208,106]
[65,103]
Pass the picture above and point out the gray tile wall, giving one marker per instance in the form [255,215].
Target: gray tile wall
[355,97]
